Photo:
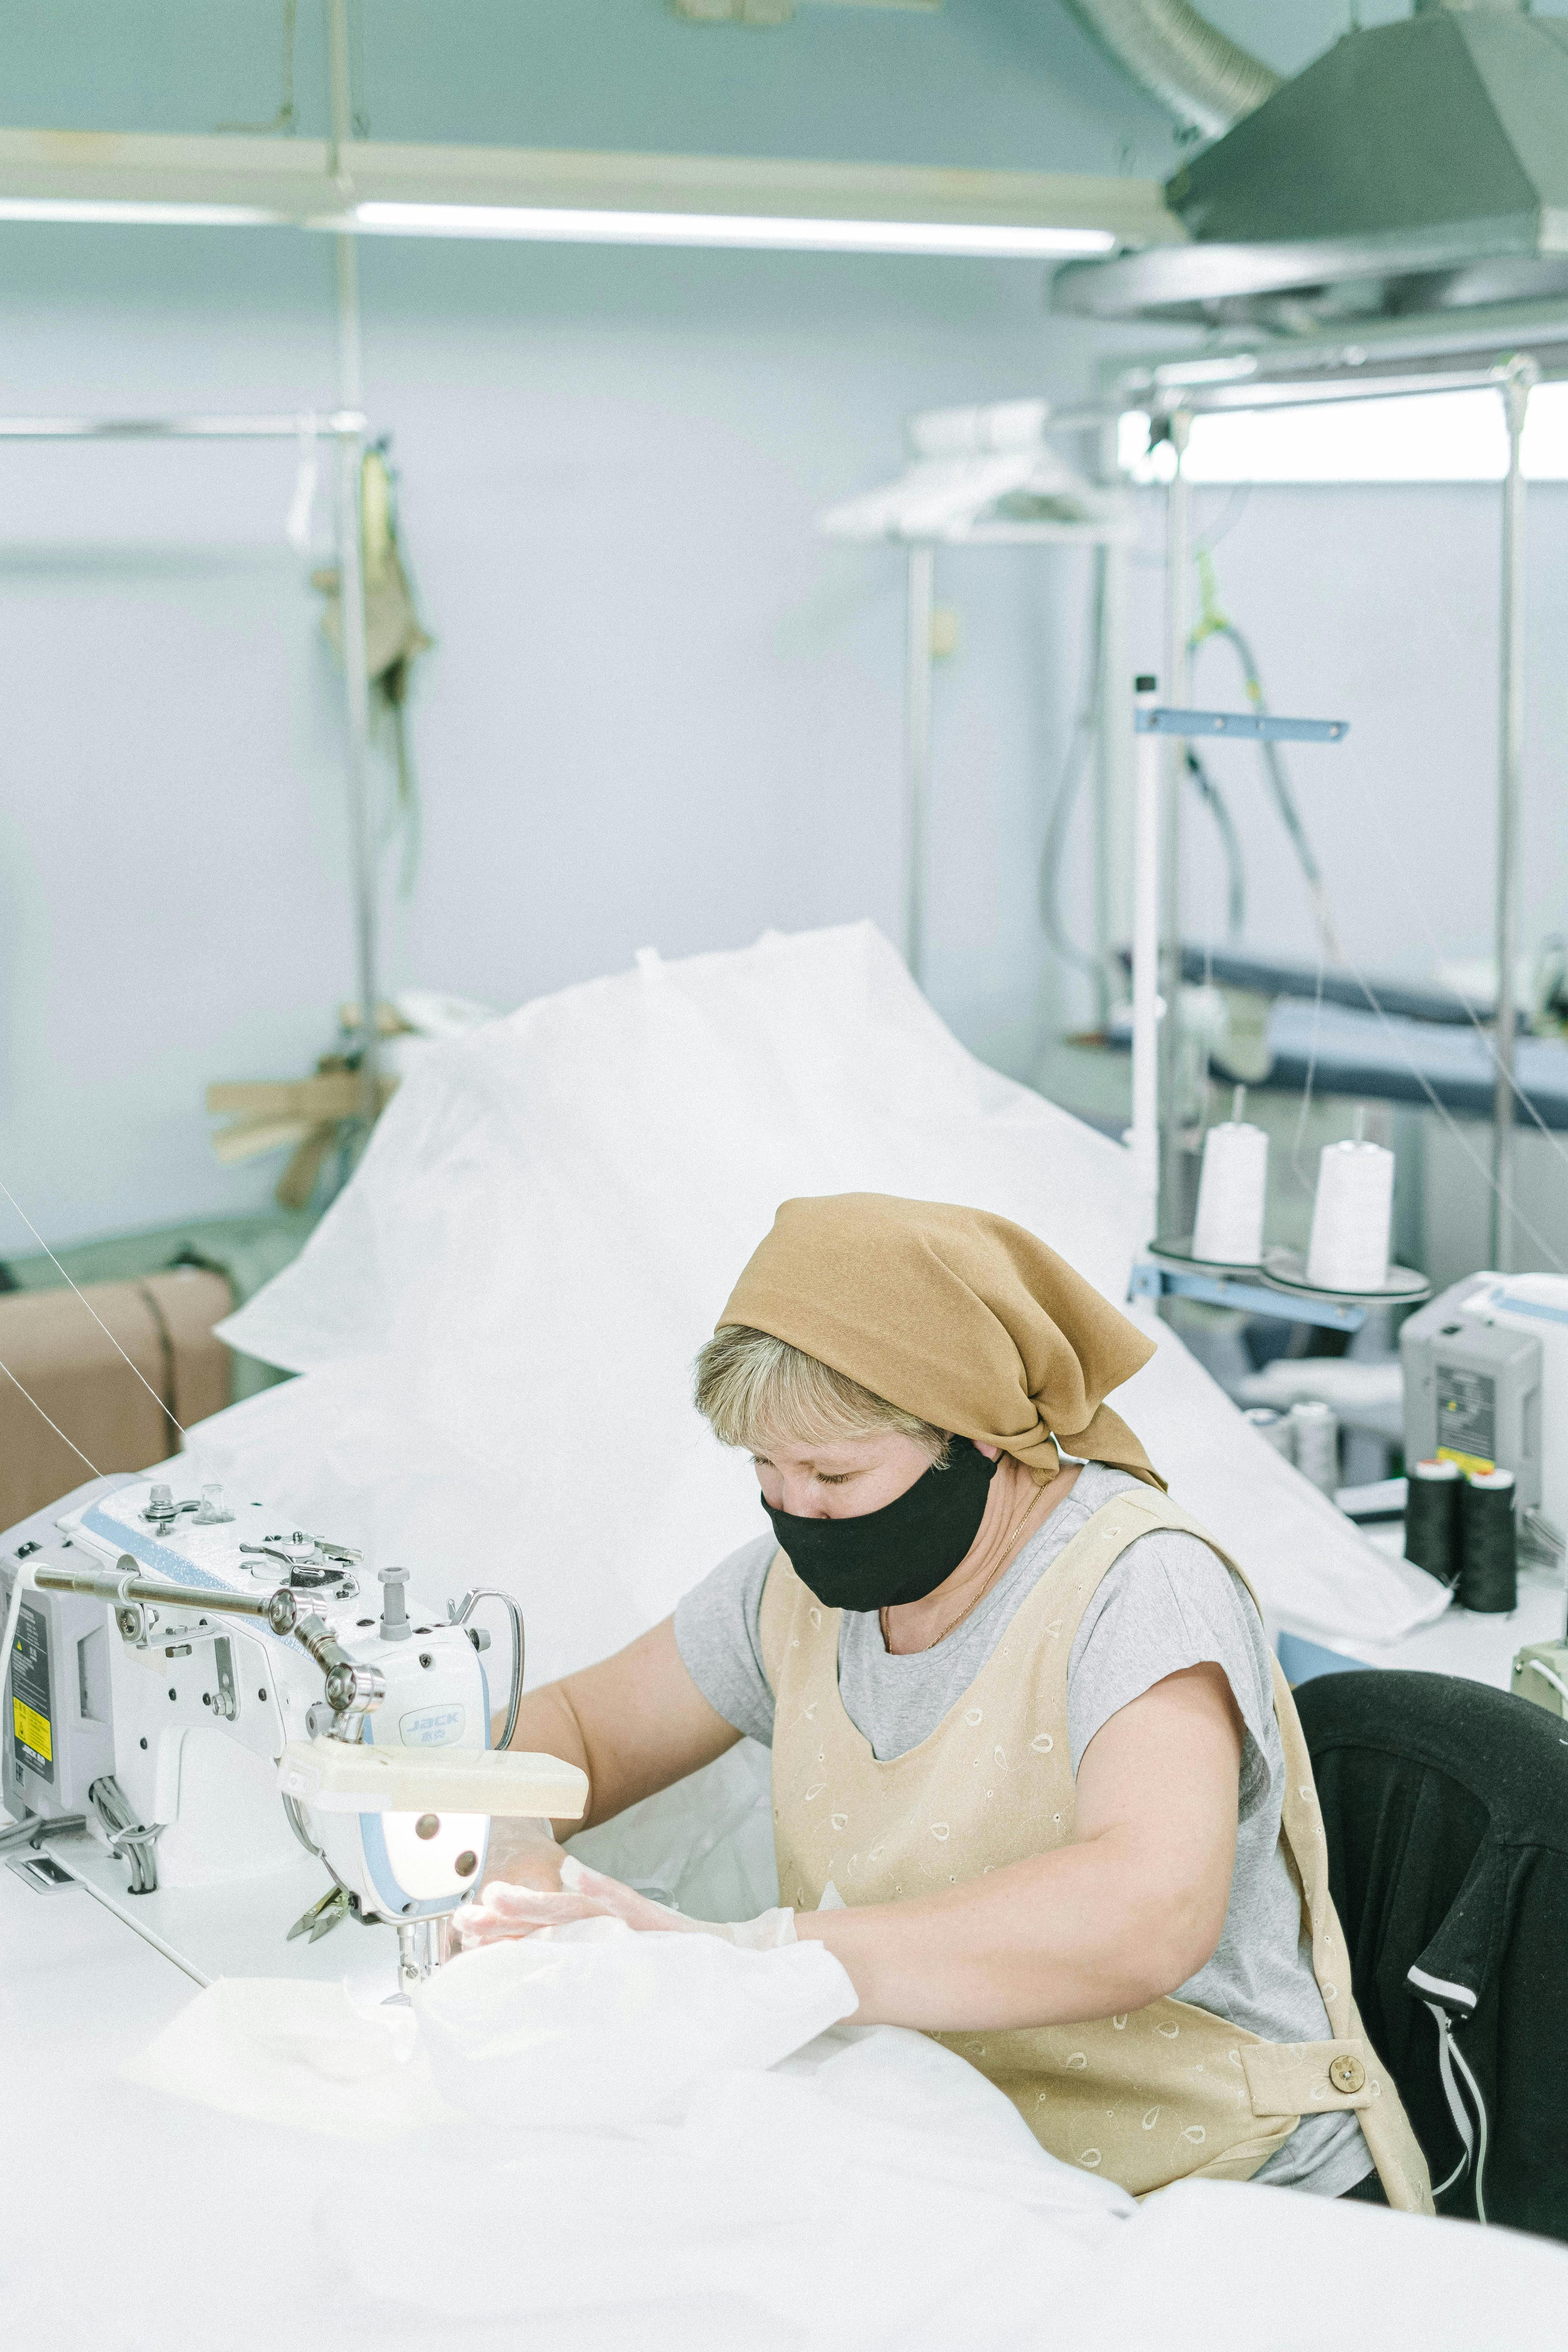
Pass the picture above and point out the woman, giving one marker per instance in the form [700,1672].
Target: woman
[1025,1722]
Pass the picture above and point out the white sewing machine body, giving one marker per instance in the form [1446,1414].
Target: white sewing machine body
[204,1705]
[193,1684]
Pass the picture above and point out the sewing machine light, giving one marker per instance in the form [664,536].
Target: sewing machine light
[435,1854]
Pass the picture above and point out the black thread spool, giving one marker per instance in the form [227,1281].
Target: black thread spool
[1489,1563]
[1432,1518]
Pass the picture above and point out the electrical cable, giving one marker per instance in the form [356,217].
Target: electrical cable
[1509,1205]
[1213,800]
[286,120]
[1482,1032]
[1085,731]
[1213,622]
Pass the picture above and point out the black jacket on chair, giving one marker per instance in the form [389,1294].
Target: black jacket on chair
[1446,1808]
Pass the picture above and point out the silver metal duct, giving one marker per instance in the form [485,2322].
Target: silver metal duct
[1181,58]
[1418,167]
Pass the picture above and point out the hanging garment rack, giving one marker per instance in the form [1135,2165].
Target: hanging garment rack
[1154,1118]
[1396,363]
[986,477]
[346,428]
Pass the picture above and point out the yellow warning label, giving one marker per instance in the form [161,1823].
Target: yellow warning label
[1474,1465]
[33,1730]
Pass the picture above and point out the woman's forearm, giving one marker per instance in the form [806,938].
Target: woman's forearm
[547,1725]
[1091,1930]
[635,1723]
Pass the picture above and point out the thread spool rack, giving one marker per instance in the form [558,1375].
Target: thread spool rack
[1260,1294]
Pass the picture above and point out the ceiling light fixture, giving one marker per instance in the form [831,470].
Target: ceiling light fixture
[556,225]
[129,212]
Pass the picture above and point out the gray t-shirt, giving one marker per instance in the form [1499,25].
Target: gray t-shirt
[1169,1602]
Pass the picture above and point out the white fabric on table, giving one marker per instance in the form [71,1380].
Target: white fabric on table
[871,2193]
[866,2190]
[593,2122]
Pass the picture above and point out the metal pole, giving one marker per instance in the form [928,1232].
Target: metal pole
[917,753]
[1113,754]
[1143,1135]
[1518,379]
[1178,563]
[1113,806]
[1100,879]
[357,693]
[350,367]
[351,586]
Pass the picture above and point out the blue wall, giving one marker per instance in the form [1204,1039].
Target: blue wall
[660,708]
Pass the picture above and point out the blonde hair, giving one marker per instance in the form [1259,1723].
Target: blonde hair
[754,1389]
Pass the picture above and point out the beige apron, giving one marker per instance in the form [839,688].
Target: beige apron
[1167,2092]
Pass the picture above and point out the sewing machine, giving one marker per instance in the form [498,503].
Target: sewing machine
[210,1697]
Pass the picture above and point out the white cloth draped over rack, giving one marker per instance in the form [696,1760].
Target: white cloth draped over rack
[498,1319]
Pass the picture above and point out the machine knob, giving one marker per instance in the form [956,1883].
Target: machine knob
[395,1625]
[161,1506]
[354,1690]
[281,1611]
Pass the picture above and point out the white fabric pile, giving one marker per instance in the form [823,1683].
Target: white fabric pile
[596,2137]
[498,1319]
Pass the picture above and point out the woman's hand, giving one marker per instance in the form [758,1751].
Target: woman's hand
[522,1852]
[504,1912]
[507,1909]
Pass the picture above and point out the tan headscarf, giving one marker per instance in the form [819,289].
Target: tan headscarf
[962,1317]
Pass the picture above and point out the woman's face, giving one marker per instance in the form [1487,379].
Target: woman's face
[841,1481]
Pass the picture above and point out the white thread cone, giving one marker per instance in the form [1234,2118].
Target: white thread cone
[1315,1434]
[1351,1217]
[1228,1229]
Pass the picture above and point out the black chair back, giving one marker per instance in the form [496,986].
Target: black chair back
[1446,1808]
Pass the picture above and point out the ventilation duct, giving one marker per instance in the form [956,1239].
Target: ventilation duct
[1417,168]
[1181,58]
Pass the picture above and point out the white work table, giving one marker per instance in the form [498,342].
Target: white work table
[1461,1642]
[132,2218]
[80,1992]
[145,2223]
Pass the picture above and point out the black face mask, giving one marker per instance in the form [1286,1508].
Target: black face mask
[896,1554]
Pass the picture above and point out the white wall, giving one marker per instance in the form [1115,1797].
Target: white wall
[660,708]
[1379,604]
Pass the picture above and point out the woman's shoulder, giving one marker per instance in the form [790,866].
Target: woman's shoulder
[1170,1601]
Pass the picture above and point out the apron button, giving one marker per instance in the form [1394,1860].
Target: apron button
[1347,2074]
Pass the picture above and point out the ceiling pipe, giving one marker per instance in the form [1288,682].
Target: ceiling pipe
[1206,82]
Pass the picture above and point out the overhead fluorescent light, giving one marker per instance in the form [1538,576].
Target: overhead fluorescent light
[128,212]
[556,224]
[1430,436]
